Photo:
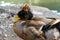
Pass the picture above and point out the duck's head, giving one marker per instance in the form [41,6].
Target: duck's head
[24,14]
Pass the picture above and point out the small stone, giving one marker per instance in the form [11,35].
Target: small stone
[6,35]
[12,35]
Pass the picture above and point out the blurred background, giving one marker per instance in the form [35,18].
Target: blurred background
[51,4]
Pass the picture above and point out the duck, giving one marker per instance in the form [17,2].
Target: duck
[25,26]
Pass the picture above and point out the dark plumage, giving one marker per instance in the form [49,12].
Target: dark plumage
[57,25]
[48,27]
[25,15]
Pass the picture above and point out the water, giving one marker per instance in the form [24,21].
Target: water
[56,12]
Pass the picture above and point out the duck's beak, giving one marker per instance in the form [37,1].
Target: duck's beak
[16,19]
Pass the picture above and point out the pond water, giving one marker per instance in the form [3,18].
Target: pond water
[56,12]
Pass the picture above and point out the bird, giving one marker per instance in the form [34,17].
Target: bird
[25,26]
